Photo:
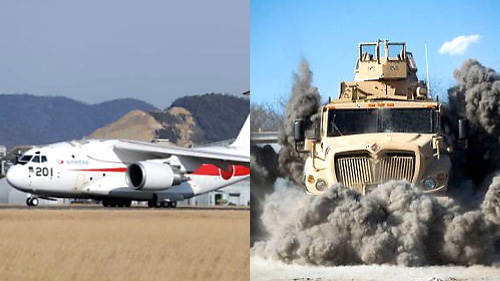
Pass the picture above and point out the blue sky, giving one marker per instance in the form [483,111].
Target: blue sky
[152,50]
[326,33]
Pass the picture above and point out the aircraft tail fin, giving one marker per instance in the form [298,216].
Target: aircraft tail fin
[243,139]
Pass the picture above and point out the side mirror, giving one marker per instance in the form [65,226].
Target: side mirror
[298,130]
[463,129]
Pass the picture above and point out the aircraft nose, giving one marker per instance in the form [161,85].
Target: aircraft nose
[16,178]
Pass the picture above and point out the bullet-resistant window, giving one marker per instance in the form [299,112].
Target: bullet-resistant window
[363,121]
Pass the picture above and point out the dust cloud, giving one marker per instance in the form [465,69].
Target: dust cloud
[264,167]
[394,224]
[476,97]
[266,164]
[303,104]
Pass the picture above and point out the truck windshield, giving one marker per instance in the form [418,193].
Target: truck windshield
[359,121]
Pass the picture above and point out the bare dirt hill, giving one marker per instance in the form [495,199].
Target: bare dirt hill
[176,124]
[135,125]
[189,120]
[187,130]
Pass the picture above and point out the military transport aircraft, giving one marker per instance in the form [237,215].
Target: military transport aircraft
[121,171]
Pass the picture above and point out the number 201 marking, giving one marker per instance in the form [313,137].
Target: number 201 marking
[43,172]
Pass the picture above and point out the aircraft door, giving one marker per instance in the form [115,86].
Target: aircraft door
[80,182]
[218,199]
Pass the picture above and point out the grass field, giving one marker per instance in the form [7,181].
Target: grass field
[108,244]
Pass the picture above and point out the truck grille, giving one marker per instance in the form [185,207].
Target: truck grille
[363,169]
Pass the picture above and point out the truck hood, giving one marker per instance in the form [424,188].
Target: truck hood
[419,140]
[382,141]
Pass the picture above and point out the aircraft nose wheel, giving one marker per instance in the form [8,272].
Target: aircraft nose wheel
[32,201]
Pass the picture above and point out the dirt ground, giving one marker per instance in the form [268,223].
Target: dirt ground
[261,270]
[106,244]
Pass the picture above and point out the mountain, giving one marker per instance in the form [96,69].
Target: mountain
[29,119]
[189,120]
[220,116]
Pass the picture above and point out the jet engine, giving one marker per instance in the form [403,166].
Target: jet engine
[153,176]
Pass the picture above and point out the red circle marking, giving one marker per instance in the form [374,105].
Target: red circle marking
[227,174]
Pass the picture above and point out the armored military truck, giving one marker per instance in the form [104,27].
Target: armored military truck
[383,126]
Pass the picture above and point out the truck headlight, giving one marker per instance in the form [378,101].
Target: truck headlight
[430,184]
[321,185]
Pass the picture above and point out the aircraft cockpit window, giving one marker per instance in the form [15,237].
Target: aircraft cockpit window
[36,159]
[25,159]
[44,159]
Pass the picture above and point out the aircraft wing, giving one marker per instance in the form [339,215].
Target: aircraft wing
[220,156]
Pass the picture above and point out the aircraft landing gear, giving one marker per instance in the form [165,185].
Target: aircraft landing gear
[124,203]
[117,203]
[32,201]
[155,203]
[165,204]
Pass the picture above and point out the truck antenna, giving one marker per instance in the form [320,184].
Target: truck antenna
[427,70]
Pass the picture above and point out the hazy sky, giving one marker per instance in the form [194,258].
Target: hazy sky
[96,50]
[326,33]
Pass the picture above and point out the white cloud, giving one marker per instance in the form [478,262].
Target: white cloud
[458,45]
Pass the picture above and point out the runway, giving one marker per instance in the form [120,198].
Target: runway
[132,208]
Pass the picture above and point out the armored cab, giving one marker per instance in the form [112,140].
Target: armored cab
[383,126]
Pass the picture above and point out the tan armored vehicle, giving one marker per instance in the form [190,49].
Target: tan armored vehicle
[382,127]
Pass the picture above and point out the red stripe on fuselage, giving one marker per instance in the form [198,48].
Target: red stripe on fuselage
[111,170]
[212,170]
[241,171]
[203,170]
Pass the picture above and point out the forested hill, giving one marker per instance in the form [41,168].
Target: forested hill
[29,119]
[219,116]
